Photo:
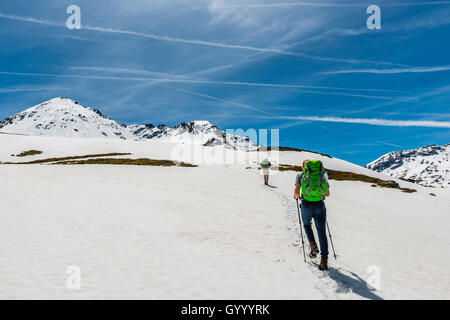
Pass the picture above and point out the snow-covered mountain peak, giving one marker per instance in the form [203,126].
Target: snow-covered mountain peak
[428,165]
[193,132]
[63,117]
[199,123]
[61,104]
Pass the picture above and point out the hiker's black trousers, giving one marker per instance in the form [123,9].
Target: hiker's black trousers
[318,211]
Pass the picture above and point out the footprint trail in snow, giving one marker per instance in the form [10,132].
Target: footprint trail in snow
[336,283]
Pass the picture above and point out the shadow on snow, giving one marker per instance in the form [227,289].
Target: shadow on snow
[350,283]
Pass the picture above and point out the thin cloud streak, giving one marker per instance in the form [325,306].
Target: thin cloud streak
[214,69]
[282,5]
[233,46]
[255,84]
[128,71]
[392,71]
[418,4]
[227,101]
[433,92]
[31,20]
[347,94]
[25,89]
[199,81]
[320,4]
[390,144]
[374,122]
[207,81]
[75,76]
[197,42]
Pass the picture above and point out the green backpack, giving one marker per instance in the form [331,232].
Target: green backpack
[313,184]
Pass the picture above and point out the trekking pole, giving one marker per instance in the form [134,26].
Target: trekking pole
[331,240]
[301,230]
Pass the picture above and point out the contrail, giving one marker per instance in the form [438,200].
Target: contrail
[433,92]
[320,4]
[374,122]
[75,76]
[233,46]
[170,76]
[348,94]
[129,71]
[392,71]
[282,4]
[32,20]
[31,88]
[232,83]
[417,4]
[227,101]
[198,42]
[255,84]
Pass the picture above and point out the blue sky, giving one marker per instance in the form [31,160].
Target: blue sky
[311,69]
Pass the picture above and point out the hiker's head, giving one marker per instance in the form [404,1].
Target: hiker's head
[304,164]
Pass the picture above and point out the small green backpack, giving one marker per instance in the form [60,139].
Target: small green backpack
[313,184]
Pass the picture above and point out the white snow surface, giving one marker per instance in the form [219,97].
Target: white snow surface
[428,166]
[211,232]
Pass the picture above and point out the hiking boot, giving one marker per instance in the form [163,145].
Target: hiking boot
[323,264]
[314,250]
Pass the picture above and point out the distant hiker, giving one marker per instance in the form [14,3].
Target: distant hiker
[312,187]
[265,165]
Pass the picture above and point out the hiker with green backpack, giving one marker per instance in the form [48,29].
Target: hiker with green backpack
[265,165]
[312,186]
